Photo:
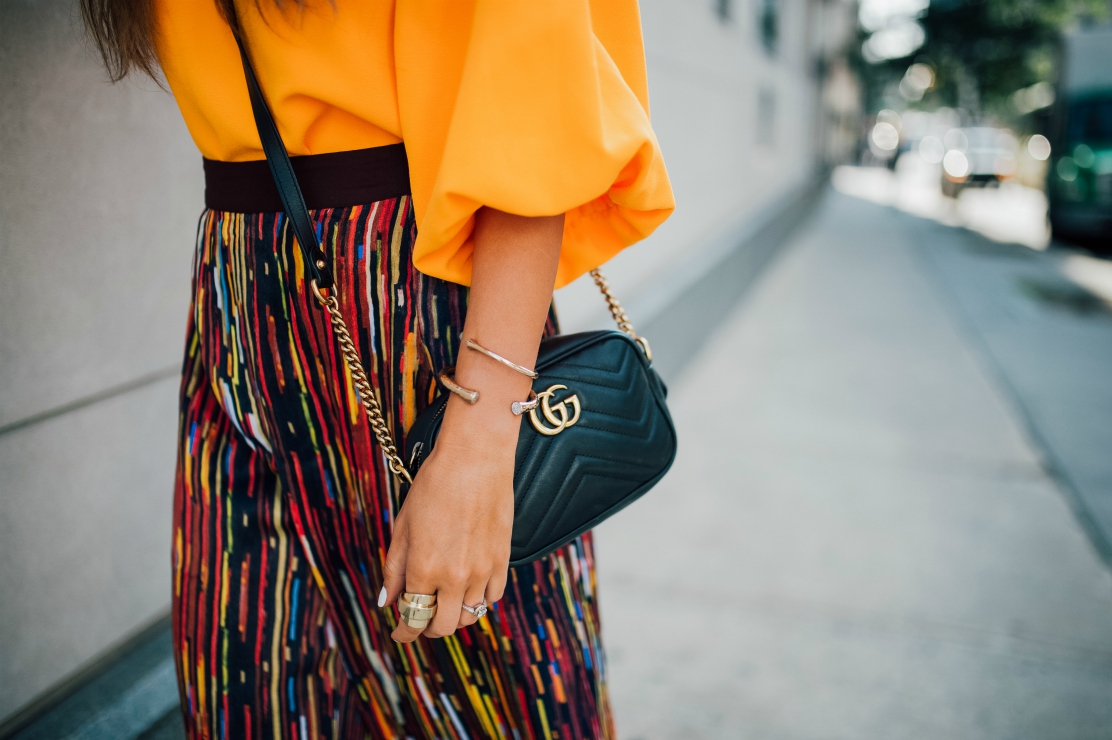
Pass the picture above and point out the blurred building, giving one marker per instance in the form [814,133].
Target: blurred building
[100,190]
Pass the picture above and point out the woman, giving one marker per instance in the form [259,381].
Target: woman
[503,146]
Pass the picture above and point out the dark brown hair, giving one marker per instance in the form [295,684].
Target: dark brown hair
[124,33]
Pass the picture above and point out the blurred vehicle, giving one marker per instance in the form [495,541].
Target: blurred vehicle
[976,157]
[1079,181]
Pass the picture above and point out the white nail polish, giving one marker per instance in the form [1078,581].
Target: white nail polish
[382,597]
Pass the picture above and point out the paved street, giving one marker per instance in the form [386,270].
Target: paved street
[887,513]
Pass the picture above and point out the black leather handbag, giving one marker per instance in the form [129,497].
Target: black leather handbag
[599,438]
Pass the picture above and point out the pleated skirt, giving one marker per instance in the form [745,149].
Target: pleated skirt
[283,510]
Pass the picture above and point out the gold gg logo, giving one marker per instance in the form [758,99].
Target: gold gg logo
[556,414]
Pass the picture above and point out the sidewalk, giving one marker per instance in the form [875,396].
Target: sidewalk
[857,539]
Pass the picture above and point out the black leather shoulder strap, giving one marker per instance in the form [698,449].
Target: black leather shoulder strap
[282,169]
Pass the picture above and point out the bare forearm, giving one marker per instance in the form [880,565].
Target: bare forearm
[513,271]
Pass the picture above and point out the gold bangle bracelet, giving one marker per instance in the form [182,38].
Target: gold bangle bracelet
[472,397]
[445,377]
[472,344]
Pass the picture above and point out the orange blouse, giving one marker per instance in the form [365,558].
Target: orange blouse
[533,108]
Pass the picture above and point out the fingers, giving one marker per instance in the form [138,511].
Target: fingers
[472,597]
[450,614]
[449,605]
[451,596]
[393,570]
[404,633]
[496,586]
[415,584]
[393,579]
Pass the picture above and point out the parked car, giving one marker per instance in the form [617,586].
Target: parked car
[977,156]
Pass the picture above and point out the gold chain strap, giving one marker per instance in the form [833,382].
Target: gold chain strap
[359,378]
[619,313]
[366,393]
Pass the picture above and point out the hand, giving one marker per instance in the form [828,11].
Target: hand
[452,535]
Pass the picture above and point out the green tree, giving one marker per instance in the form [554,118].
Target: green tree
[983,51]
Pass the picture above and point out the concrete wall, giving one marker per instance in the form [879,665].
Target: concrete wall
[100,189]
[736,122]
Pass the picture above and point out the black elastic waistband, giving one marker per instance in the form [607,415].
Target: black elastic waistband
[330,180]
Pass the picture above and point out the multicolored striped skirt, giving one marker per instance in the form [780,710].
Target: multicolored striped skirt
[283,510]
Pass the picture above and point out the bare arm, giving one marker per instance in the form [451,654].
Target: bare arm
[452,536]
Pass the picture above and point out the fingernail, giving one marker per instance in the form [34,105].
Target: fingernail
[382,598]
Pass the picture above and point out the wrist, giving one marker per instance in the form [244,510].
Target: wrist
[478,429]
[490,423]
[498,386]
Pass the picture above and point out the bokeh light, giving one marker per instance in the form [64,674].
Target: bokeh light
[1038,146]
[885,136]
[895,42]
[1083,155]
[916,81]
[956,164]
[1067,169]
[1036,97]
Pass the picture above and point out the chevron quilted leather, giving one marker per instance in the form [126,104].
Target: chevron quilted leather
[621,445]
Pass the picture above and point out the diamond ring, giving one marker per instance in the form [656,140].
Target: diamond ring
[479,611]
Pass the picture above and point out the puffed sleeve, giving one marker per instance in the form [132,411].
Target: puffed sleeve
[533,108]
